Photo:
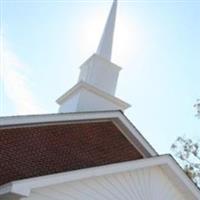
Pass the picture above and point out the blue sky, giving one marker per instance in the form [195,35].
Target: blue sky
[157,43]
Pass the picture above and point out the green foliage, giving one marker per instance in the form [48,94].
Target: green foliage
[197,106]
[187,152]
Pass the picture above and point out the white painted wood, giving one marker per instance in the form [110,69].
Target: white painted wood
[71,104]
[142,184]
[99,77]
[134,172]
[100,73]
[105,45]
[84,97]
[90,101]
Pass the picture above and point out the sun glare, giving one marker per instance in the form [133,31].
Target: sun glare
[90,33]
[126,36]
[125,39]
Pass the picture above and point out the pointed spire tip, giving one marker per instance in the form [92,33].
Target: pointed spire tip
[105,45]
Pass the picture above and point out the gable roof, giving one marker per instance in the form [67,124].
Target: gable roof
[165,162]
[39,145]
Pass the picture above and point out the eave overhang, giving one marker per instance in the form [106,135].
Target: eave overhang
[23,188]
[117,117]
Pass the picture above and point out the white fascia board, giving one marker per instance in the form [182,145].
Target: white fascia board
[94,90]
[166,162]
[58,117]
[130,131]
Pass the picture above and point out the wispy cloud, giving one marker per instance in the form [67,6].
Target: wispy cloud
[15,84]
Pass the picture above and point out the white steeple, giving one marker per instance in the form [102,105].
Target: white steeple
[105,45]
[97,82]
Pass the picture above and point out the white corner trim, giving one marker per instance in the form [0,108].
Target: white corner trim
[24,187]
[4,189]
[14,190]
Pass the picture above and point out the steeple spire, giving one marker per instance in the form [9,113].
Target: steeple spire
[95,90]
[105,45]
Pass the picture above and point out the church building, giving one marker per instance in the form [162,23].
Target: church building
[89,150]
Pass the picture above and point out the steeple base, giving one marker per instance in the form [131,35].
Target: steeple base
[84,97]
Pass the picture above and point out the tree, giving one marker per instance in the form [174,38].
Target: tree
[188,153]
[197,106]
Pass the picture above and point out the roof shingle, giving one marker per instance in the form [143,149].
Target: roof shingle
[37,150]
